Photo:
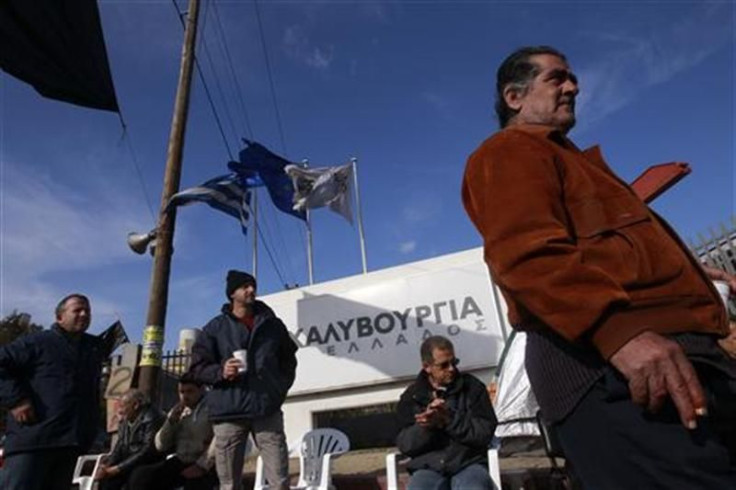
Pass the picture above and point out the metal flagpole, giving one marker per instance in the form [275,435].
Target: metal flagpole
[310,259]
[310,265]
[354,161]
[254,214]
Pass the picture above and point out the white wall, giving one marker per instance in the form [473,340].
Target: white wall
[367,329]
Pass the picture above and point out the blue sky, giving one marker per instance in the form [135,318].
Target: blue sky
[404,86]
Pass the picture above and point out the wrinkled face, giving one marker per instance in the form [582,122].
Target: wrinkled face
[443,369]
[245,295]
[549,99]
[189,394]
[75,316]
[128,409]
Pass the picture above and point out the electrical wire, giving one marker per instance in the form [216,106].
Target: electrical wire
[239,90]
[134,159]
[270,78]
[206,88]
[220,91]
[270,255]
[222,132]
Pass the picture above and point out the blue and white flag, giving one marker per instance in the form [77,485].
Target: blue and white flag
[270,168]
[230,194]
[324,186]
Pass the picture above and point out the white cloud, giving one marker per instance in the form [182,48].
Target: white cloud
[635,63]
[421,208]
[435,100]
[49,228]
[407,247]
[300,48]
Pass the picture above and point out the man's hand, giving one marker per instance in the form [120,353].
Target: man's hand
[175,414]
[193,471]
[23,412]
[104,471]
[230,369]
[657,367]
[721,275]
[436,415]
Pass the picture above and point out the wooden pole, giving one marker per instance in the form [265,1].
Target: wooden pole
[153,334]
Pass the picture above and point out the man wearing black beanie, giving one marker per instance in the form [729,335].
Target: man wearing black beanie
[246,397]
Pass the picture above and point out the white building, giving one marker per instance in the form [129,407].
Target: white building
[359,339]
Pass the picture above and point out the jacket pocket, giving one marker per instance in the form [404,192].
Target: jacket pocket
[618,234]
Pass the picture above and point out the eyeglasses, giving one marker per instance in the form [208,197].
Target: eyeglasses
[447,364]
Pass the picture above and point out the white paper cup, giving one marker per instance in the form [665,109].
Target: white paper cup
[242,356]
[723,289]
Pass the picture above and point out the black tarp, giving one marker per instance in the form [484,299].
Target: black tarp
[57,46]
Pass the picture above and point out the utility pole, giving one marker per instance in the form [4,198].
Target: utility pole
[153,334]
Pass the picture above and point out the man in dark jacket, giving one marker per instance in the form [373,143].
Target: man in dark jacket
[135,447]
[246,397]
[50,382]
[447,423]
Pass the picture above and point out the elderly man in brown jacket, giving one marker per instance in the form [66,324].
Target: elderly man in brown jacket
[622,321]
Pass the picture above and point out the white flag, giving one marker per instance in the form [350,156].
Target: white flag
[324,186]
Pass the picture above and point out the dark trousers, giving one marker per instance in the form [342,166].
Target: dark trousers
[45,469]
[166,475]
[617,445]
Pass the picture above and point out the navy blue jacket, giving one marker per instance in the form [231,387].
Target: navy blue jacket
[61,377]
[261,390]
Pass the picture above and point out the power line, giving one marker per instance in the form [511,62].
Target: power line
[238,87]
[270,78]
[270,255]
[273,98]
[134,159]
[222,132]
[206,88]
[221,92]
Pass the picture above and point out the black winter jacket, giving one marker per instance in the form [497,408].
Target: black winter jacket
[271,369]
[61,378]
[464,441]
[136,441]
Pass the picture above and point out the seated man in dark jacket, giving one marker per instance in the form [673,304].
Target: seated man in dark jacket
[447,423]
[139,422]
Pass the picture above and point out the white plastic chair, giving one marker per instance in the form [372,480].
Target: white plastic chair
[317,448]
[392,470]
[86,481]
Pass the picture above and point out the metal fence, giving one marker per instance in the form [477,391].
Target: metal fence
[720,249]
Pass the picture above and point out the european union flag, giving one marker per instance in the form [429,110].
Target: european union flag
[270,167]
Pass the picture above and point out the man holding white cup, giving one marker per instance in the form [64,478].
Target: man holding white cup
[248,357]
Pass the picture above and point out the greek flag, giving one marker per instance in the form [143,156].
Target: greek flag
[229,193]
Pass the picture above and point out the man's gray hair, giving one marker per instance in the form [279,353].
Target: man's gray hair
[136,395]
[517,70]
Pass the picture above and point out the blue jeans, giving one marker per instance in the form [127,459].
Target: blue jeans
[473,477]
[46,469]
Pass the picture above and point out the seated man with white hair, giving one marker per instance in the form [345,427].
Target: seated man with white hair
[139,422]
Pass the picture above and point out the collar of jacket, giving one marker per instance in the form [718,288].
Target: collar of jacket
[260,310]
[425,386]
[593,154]
[69,337]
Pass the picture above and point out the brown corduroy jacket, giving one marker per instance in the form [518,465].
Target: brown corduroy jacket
[572,247]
